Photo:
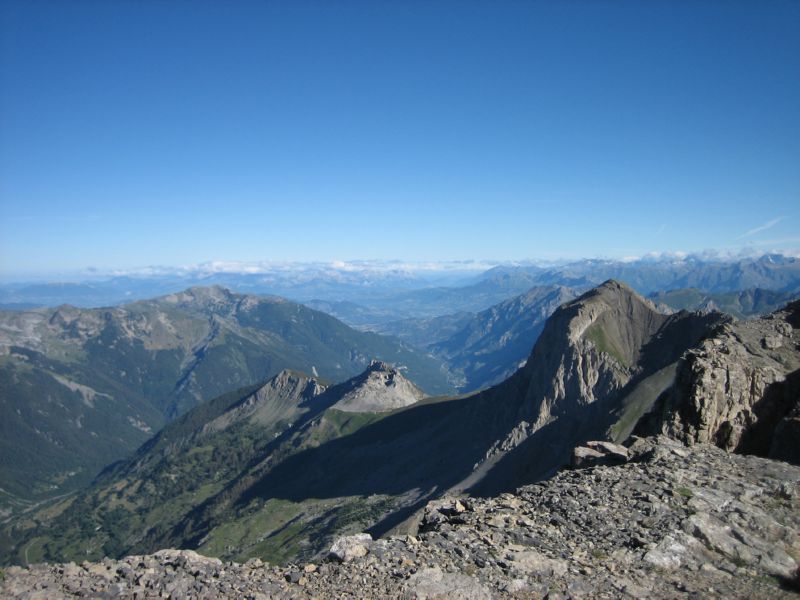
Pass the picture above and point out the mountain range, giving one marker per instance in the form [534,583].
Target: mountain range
[278,469]
[742,304]
[84,387]
[482,349]
[370,293]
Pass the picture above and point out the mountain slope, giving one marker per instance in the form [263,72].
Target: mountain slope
[83,387]
[483,349]
[137,503]
[604,364]
[672,522]
[493,345]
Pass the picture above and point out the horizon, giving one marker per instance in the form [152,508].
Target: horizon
[432,271]
[187,134]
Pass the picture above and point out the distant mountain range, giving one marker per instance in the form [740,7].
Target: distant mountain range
[771,271]
[482,349]
[80,388]
[279,468]
[741,304]
[367,294]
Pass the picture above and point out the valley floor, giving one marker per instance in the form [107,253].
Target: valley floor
[673,522]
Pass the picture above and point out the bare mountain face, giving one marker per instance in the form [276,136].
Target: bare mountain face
[380,388]
[739,389]
[82,387]
[605,363]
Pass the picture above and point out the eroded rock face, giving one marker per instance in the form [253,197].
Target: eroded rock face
[672,522]
[380,388]
[735,388]
[591,356]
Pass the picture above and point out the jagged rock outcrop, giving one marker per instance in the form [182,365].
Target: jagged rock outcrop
[738,388]
[593,347]
[600,363]
[673,522]
[380,388]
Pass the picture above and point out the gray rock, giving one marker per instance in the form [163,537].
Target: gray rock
[350,547]
[432,583]
[610,449]
[537,564]
[674,521]
[585,457]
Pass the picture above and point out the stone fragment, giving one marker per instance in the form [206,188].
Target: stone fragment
[350,547]
[434,584]
[536,563]
[585,457]
[610,449]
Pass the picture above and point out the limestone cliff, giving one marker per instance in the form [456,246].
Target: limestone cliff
[737,388]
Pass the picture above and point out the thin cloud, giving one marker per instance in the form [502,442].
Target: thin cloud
[760,228]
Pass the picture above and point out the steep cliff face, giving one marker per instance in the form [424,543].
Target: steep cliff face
[599,365]
[588,350]
[738,388]
[594,347]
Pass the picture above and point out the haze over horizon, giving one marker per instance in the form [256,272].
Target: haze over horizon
[180,133]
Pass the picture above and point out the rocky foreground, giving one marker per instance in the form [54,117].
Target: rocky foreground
[671,522]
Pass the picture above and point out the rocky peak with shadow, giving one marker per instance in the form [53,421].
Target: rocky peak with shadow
[380,388]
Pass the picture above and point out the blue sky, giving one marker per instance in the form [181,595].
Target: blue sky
[176,132]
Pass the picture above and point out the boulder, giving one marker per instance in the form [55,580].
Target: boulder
[350,547]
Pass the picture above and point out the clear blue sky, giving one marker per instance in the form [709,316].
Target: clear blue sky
[175,132]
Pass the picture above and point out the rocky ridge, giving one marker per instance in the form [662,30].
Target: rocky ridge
[672,522]
[737,388]
[378,389]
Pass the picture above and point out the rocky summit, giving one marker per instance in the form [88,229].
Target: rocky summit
[380,388]
[671,521]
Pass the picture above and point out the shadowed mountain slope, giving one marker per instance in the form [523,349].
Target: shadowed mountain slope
[604,363]
[82,387]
